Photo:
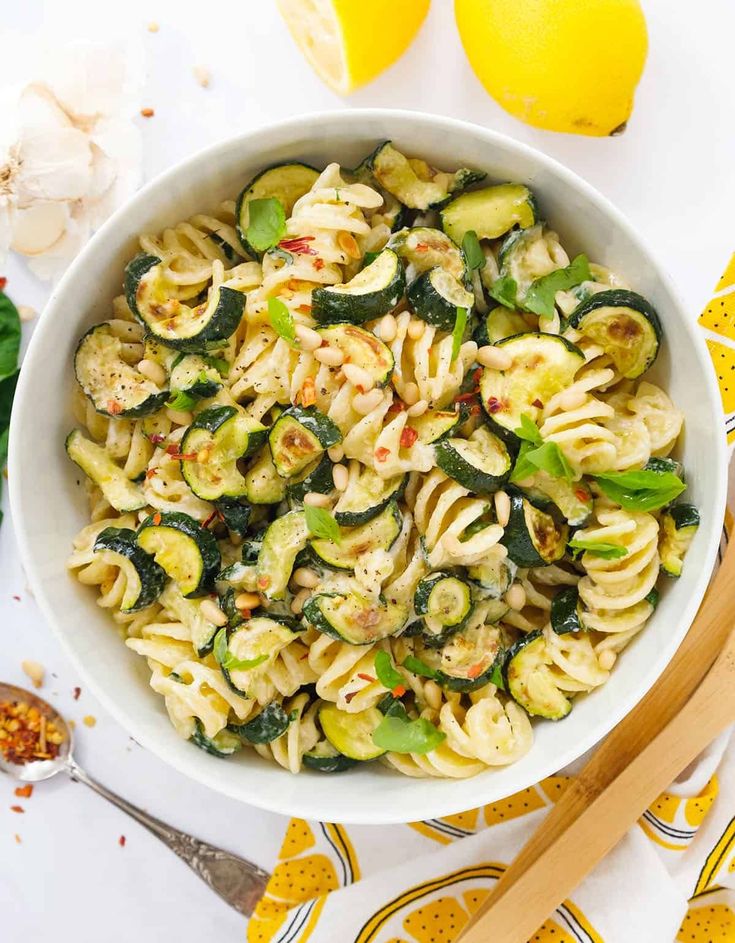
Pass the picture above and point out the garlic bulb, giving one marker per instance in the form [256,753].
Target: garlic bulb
[71,155]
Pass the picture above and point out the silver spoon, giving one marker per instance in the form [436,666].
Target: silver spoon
[238,882]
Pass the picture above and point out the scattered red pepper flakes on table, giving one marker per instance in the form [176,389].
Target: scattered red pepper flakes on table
[24,792]
[75,693]
[121,841]
[17,808]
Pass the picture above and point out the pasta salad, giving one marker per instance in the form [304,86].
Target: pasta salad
[374,470]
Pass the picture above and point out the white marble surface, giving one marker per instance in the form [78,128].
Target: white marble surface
[671,172]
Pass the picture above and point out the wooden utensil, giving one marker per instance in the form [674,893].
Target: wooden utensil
[692,702]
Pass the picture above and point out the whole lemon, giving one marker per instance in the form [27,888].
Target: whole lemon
[563,65]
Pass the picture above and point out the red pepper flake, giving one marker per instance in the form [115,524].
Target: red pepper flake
[538,404]
[304,309]
[399,690]
[477,376]
[183,456]
[157,518]
[3,283]
[113,407]
[494,405]
[422,247]
[172,449]
[365,677]
[466,397]
[245,613]
[151,473]
[381,454]
[264,582]
[475,410]
[16,598]
[211,518]
[318,264]
[17,808]
[397,406]
[408,437]
[581,495]
[24,792]
[298,245]
[349,696]
[475,671]
[156,438]
[304,656]
[121,841]
[75,693]
[147,112]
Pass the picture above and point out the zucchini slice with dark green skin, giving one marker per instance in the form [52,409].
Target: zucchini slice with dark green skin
[624,324]
[435,424]
[532,537]
[518,258]
[283,540]
[298,437]
[543,364]
[366,495]
[362,348]
[665,465]
[435,296]
[491,212]
[171,321]
[499,324]
[223,744]
[245,648]
[494,576]
[445,603]
[423,248]
[315,477]
[354,618]
[212,445]
[118,490]
[530,682]
[270,724]
[191,374]
[351,734]
[566,611]
[573,498]
[373,292]
[187,552]
[481,463]
[144,578]
[472,658]
[189,613]
[235,516]
[678,526]
[326,758]
[284,182]
[263,484]
[114,387]
[380,533]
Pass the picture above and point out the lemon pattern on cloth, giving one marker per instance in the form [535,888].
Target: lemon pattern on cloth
[718,323]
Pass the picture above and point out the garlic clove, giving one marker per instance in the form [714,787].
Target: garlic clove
[54,165]
[38,227]
[55,260]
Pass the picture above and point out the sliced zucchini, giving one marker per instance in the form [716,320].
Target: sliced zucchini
[532,537]
[315,477]
[470,659]
[491,212]
[494,576]
[573,498]
[97,465]
[566,611]
[380,533]
[282,542]
[445,602]
[351,734]
[363,348]
[373,292]
[543,364]
[499,324]
[222,744]
[435,424]
[175,324]
[530,681]
[193,375]
[263,484]
[519,258]
[114,387]
[298,437]
[624,324]
[435,297]
[354,618]
[413,182]
[212,445]
[250,649]
[678,526]
[284,182]
[481,463]
[235,516]
[366,495]
[144,578]
[270,724]
[187,552]
[423,249]
[189,613]
[327,759]
[665,465]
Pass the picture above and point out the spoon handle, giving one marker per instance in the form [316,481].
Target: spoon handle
[238,882]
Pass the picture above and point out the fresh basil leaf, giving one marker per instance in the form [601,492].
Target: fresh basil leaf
[418,667]
[641,490]
[386,672]
[460,323]
[270,724]
[528,430]
[598,548]
[281,320]
[368,258]
[540,296]
[266,223]
[550,458]
[181,400]
[504,290]
[320,523]
[9,337]
[227,660]
[496,676]
[473,254]
[219,364]
[522,468]
[399,735]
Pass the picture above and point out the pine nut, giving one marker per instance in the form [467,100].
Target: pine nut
[411,394]
[418,409]
[247,600]
[330,356]
[126,330]
[571,399]
[433,695]
[153,371]
[468,350]
[305,577]
[316,500]
[607,659]
[33,670]
[364,403]
[347,243]
[416,330]
[494,357]
[358,377]
[516,597]
[308,338]
[388,328]
[297,603]
[336,453]
[179,417]
[212,612]
[502,508]
[340,477]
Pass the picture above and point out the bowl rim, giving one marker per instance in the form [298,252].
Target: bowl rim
[318,809]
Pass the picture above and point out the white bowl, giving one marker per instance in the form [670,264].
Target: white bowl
[49,506]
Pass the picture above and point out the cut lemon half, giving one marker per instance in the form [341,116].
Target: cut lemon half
[350,42]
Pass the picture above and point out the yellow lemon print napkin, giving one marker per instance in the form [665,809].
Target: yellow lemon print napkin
[671,879]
